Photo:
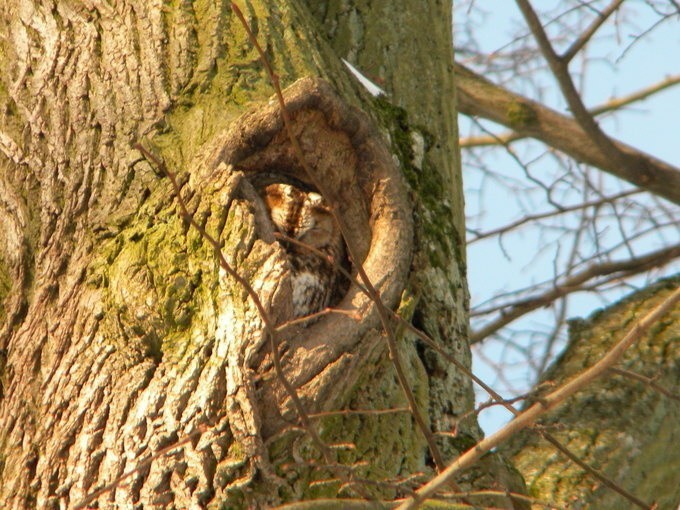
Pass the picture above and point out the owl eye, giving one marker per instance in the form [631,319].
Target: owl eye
[318,231]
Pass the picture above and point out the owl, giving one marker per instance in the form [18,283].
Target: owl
[306,217]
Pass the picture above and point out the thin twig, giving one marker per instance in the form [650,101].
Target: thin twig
[140,465]
[597,473]
[383,312]
[646,380]
[507,405]
[477,96]
[618,102]
[470,142]
[545,404]
[534,217]
[269,327]
[588,33]
[498,400]
[576,282]
[560,69]
[507,494]
[359,412]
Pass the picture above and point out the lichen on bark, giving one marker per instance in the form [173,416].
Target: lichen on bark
[120,337]
[618,425]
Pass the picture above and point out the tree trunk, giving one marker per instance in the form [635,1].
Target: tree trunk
[625,425]
[136,370]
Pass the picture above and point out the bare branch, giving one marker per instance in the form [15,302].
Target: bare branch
[84,503]
[616,103]
[507,404]
[569,285]
[534,217]
[590,31]
[485,141]
[549,402]
[479,97]
[646,380]
[611,105]
[598,474]
[383,312]
[269,326]
[560,69]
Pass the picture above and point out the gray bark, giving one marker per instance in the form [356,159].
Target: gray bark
[126,349]
[624,425]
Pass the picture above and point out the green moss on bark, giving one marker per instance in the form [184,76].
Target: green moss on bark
[438,237]
[520,115]
[619,425]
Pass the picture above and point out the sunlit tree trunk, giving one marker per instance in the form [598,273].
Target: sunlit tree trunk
[121,334]
[134,369]
[622,425]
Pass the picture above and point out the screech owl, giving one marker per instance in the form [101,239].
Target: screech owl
[305,216]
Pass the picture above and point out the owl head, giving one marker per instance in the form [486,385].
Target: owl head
[301,215]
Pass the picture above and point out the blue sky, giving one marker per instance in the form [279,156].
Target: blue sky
[651,125]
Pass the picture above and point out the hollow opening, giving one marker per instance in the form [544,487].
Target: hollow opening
[348,163]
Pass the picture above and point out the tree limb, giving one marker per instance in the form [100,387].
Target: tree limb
[479,97]
[560,70]
[571,284]
[549,402]
[587,35]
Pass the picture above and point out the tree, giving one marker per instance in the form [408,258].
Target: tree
[573,232]
[123,335]
[617,425]
[141,365]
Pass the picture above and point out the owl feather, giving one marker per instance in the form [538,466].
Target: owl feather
[306,217]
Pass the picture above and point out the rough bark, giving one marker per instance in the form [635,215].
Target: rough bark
[414,65]
[624,425]
[126,349]
[121,334]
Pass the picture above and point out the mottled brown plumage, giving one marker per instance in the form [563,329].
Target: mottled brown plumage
[305,216]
